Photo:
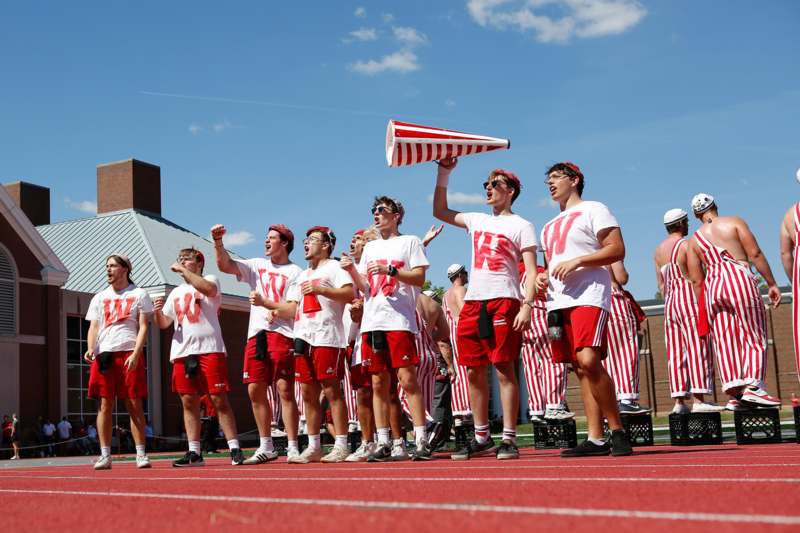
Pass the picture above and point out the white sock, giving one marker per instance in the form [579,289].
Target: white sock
[383,436]
[266,445]
[313,442]
[194,446]
[140,450]
[233,444]
[341,441]
[419,434]
[292,445]
[599,442]
[105,451]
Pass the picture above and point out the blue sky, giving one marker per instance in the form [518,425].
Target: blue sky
[263,112]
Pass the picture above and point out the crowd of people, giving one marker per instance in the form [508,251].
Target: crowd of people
[351,341]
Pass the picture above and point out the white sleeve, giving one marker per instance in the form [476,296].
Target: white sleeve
[542,242]
[169,309]
[469,220]
[341,278]
[145,303]
[247,271]
[527,236]
[293,292]
[362,265]
[416,254]
[94,312]
[602,219]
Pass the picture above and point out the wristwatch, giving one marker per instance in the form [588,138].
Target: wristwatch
[529,303]
[392,270]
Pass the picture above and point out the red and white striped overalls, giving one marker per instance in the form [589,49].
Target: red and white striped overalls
[426,370]
[622,363]
[546,380]
[796,287]
[460,392]
[737,316]
[691,369]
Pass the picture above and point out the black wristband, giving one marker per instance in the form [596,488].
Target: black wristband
[392,271]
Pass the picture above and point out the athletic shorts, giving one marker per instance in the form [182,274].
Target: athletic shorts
[401,352]
[502,346]
[279,363]
[117,382]
[211,377]
[322,362]
[584,326]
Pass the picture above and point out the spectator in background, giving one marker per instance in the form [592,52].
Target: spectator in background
[49,436]
[6,431]
[82,439]
[91,435]
[64,429]
[16,436]
[149,435]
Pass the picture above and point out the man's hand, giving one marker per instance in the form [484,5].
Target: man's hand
[451,373]
[178,268]
[357,310]
[256,299]
[447,164]
[542,282]
[523,319]
[131,361]
[562,270]
[88,356]
[217,231]
[158,304]
[373,267]
[774,295]
[309,288]
[432,234]
[346,262]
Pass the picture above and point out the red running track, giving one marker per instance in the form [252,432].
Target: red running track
[726,488]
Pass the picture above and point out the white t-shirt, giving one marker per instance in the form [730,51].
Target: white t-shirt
[323,327]
[353,332]
[272,282]
[117,314]
[196,321]
[390,304]
[64,428]
[497,244]
[571,234]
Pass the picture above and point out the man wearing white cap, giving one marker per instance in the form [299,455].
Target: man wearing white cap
[790,226]
[691,370]
[452,302]
[726,246]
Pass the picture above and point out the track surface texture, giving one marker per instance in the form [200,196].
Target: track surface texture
[662,488]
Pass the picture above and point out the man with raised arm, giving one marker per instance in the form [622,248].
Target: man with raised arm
[268,356]
[197,352]
[390,275]
[495,311]
[726,247]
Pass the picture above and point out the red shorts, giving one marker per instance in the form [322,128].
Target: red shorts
[278,365]
[584,326]
[505,343]
[359,377]
[117,382]
[322,362]
[401,352]
[211,377]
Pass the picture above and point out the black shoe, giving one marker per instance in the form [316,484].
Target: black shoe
[382,453]
[587,448]
[189,459]
[473,449]
[237,457]
[632,409]
[422,453]
[507,450]
[620,443]
[437,437]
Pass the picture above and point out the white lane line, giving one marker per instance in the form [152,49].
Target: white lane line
[425,506]
[102,477]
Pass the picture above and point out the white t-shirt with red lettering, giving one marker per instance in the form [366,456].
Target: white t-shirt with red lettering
[117,314]
[323,327]
[571,234]
[497,244]
[391,305]
[272,282]
[196,321]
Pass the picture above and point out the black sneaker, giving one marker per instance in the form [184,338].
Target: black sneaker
[422,453]
[237,457]
[507,450]
[382,453]
[632,409]
[587,448]
[189,459]
[473,449]
[437,437]
[620,443]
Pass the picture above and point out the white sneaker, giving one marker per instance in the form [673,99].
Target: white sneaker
[104,463]
[558,413]
[291,454]
[309,455]
[276,432]
[15,458]
[706,407]
[681,409]
[261,457]
[399,452]
[336,455]
[361,454]
[733,405]
[760,397]
[142,461]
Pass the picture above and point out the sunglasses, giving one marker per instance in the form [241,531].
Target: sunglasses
[308,240]
[493,183]
[381,209]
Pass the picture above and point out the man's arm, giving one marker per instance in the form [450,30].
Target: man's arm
[162,320]
[224,261]
[523,319]
[659,278]
[787,245]
[141,338]
[440,208]
[612,250]
[350,267]
[285,310]
[91,341]
[694,269]
[432,234]
[619,272]
[344,294]
[755,256]
[206,287]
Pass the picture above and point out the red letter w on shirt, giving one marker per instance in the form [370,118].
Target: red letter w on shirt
[558,231]
[190,309]
[384,282]
[118,313]
[492,249]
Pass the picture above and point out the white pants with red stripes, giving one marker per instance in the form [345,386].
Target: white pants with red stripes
[739,325]
[691,369]
[298,397]
[349,396]
[546,381]
[275,402]
[426,380]
[622,362]
[796,306]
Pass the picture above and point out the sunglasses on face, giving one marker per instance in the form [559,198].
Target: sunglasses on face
[381,209]
[493,184]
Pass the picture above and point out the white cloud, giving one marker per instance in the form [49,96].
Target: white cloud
[238,238]
[402,61]
[86,206]
[360,12]
[361,34]
[195,129]
[558,20]
[219,127]
[387,17]
[462,198]
[409,36]
[546,201]
[450,103]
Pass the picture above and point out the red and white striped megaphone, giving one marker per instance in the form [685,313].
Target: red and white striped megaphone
[407,144]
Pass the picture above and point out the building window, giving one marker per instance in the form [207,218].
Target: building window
[79,405]
[8,294]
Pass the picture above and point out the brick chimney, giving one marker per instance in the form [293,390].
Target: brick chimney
[129,184]
[34,200]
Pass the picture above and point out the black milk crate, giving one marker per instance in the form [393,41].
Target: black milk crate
[639,428]
[695,428]
[757,426]
[353,440]
[797,423]
[464,434]
[555,434]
